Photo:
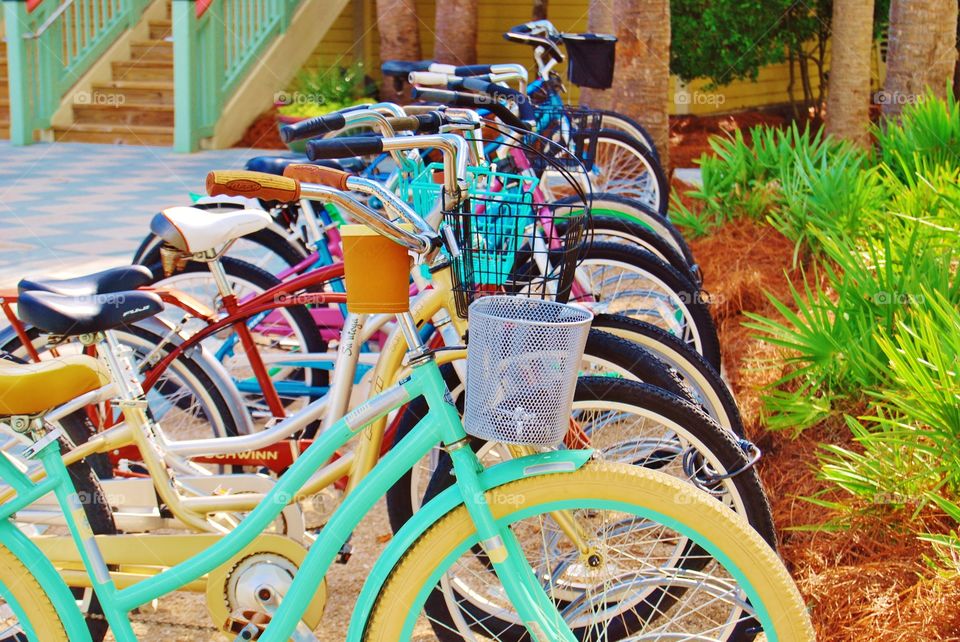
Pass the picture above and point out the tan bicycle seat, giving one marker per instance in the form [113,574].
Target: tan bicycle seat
[31,388]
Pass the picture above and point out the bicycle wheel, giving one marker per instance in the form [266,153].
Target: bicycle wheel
[84,475]
[628,515]
[610,229]
[616,278]
[604,354]
[629,126]
[616,206]
[623,166]
[26,612]
[704,384]
[278,334]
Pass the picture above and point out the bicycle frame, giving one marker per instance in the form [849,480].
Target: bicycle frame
[440,426]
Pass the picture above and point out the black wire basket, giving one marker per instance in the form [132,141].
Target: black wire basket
[572,134]
[510,241]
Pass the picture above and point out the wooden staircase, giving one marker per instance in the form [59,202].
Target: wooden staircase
[4,95]
[136,106]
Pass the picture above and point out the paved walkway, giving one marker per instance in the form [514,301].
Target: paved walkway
[70,208]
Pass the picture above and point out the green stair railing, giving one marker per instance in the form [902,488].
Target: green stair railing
[216,43]
[50,45]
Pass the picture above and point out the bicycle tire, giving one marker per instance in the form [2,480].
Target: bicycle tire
[692,367]
[647,494]
[629,357]
[683,291]
[610,119]
[616,206]
[610,229]
[33,603]
[656,198]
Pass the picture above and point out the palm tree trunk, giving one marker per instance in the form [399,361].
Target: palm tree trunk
[599,21]
[641,86]
[922,51]
[848,103]
[539,10]
[456,32]
[399,36]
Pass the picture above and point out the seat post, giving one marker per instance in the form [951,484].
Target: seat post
[121,366]
[219,273]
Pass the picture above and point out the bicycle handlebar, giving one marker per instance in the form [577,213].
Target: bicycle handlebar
[471,101]
[344,147]
[267,187]
[496,92]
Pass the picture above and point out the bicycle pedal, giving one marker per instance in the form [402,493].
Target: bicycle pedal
[248,625]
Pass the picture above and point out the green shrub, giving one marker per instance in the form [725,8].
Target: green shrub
[927,136]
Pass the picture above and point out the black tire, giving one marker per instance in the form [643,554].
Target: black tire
[719,442]
[634,210]
[610,229]
[658,178]
[680,356]
[619,353]
[298,315]
[687,292]
[608,120]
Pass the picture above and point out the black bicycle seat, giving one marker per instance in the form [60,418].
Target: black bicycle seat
[70,316]
[120,279]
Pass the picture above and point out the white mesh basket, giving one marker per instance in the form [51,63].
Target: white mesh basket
[522,364]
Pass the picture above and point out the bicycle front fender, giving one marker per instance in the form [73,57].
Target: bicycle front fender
[49,580]
[560,461]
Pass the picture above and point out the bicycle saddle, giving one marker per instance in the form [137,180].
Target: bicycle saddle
[193,230]
[70,316]
[31,388]
[120,279]
[276,164]
[402,68]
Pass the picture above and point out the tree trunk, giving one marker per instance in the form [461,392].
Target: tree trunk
[641,86]
[848,102]
[922,51]
[399,37]
[539,10]
[456,32]
[600,21]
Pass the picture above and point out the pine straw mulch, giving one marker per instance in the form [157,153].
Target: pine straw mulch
[868,582]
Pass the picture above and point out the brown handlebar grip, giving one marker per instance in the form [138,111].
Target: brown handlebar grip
[253,185]
[318,174]
[404,124]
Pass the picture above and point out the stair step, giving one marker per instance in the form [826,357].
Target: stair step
[143,70]
[116,134]
[126,114]
[141,92]
[160,29]
[152,50]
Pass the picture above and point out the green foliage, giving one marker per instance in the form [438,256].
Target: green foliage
[727,40]
[871,334]
[320,91]
[927,136]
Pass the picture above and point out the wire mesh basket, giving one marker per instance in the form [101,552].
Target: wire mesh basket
[509,241]
[573,132]
[522,362]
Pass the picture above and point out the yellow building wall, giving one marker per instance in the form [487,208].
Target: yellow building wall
[355,33]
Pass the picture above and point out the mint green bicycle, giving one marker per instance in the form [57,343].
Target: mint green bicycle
[560,541]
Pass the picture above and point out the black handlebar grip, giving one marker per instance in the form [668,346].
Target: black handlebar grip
[472,101]
[344,147]
[472,70]
[524,105]
[312,127]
